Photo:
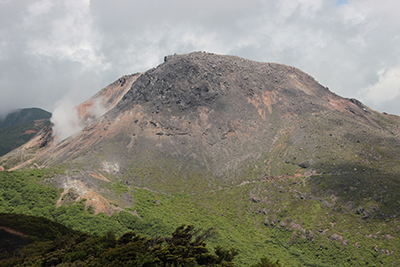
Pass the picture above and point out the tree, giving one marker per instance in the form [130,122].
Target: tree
[187,247]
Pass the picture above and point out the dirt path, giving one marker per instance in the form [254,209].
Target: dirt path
[14,232]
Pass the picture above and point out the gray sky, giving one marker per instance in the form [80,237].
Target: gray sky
[52,51]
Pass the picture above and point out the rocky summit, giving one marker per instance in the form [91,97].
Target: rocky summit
[255,149]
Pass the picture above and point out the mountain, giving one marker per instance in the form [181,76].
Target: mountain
[21,116]
[218,117]
[18,127]
[261,149]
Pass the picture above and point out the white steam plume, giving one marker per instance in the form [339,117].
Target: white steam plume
[68,121]
[65,119]
[97,110]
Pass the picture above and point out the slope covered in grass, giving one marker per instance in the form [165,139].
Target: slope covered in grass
[318,220]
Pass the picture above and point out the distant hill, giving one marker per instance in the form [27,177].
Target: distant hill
[20,126]
[21,116]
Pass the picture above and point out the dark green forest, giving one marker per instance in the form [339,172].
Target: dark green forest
[52,244]
[20,126]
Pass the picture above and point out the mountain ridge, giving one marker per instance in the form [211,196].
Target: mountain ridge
[23,115]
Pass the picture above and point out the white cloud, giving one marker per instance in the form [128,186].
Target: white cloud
[70,36]
[40,7]
[48,47]
[387,87]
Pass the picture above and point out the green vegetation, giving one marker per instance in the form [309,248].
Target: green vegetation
[21,192]
[23,115]
[17,135]
[265,262]
[61,246]
[28,192]
[38,229]
[321,220]
[20,126]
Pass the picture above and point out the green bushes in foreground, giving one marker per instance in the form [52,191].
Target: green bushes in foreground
[65,247]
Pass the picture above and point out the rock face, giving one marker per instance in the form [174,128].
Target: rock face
[184,83]
[208,120]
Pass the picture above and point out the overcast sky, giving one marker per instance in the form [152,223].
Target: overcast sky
[52,51]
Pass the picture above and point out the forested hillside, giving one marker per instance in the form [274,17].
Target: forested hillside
[23,115]
[97,240]
[20,126]
[340,239]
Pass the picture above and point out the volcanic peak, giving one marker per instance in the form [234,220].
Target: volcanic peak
[197,79]
[230,110]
